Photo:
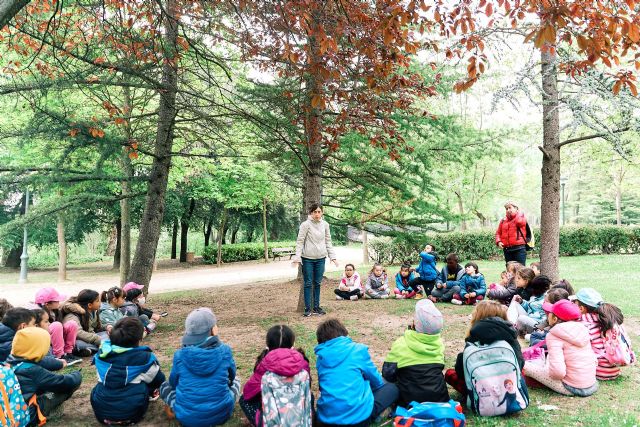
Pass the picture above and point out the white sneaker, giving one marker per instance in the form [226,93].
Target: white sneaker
[456,302]
[339,298]
[385,296]
[353,297]
[399,296]
[527,337]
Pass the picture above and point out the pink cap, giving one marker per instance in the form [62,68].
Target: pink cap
[45,295]
[131,285]
[563,309]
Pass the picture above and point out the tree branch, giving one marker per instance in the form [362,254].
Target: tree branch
[594,136]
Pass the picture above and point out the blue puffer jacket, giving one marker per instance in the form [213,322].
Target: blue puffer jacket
[534,307]
[347,379]
[201,376]
[48,362]
[400,286]
[427,267]
[126,377]
[470,284]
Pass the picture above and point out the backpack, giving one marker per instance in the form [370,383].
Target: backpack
[529,238]
[494,382]
[617,347]
[286,401]
[430,414]
[14,411]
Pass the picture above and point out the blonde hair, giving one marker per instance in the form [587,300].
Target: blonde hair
[513,267]
[485,309]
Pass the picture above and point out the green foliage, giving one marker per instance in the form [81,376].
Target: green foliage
[480,244]
[242,251]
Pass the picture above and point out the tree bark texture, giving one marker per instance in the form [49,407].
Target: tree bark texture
[151,224]
[9,9]
[264,230]
[62,250]
[174,240]
[223,224]
[125,205]
[117,251]
[184,230]
[207,232]
[463,221]
[550,200]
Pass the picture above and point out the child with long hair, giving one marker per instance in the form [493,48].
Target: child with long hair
[377,284]
[63,337]
[472,286]
[599,317]
[82,310]
[530,313]
[111,301]
[542,329]
[570,368]
[350,286]
[403,277]
[504,292]
[488,324]
[564,284]
[278,357]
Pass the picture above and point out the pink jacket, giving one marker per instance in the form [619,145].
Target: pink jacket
[571,358]
[350,283]
[281,361]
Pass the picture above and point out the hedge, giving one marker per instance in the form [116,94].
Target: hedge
[480,244]
[242,251]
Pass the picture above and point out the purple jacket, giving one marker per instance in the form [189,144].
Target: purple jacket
[282,361]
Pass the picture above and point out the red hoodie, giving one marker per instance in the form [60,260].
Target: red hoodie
[512,231]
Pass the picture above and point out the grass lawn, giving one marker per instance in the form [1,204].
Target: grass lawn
[246,312]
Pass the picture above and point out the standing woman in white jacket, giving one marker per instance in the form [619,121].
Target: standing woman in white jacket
[313,246]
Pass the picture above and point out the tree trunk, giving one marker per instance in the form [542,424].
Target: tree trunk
[550,201]
[365,245]
[224,231]
[207,232]
[618,206]
[13,259]
[250,232]
[264,230]
[125,205]
[9,9]
[223,224]
[117,252]
[463,221]
[112,241]
[234,233]
[174,240]
[184,230]
[151,224]
[62,250]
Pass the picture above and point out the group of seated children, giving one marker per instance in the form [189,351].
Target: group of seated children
[453,283]
[55,332]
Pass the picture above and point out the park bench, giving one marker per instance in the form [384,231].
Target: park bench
[282,252]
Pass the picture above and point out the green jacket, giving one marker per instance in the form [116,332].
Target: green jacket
[414,348]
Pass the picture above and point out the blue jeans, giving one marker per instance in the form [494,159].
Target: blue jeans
[312,272]
[515,253]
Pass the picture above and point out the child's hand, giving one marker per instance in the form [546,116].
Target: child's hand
[64,363]
[472,295]
[439,285]
[444,286]
[517,298]
[155,317]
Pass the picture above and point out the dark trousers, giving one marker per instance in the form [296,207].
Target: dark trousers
[312,272]
[426,284]
[348,294]
[383,398]
[515,253]
[251,408]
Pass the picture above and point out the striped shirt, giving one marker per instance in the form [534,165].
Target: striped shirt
[605,370]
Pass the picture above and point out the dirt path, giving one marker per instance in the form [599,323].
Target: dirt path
[170,276]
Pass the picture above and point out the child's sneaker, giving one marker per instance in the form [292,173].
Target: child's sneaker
[319,311]
[399,296]
[307,312]
[353,297]
[527,337]
[84,352]
[339,298]
[418,296]
[154,395]
[71,359]
[456,301]
[433,299]
[385,296]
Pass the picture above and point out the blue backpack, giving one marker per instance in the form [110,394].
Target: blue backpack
[430,414]
[494,382]
[14,412]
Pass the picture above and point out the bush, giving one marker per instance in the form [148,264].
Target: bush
[480,244]
[242,251]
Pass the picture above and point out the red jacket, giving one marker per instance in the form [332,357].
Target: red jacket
[507,231]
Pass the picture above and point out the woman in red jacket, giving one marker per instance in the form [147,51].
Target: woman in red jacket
[510,235]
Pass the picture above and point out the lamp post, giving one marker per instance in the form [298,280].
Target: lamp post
[24,258]
[563,182]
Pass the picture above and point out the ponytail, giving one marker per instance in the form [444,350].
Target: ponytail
[608,316]
[278,336]
[111,294]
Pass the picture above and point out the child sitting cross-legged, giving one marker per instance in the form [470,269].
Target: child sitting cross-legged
[109,311]
[129,375]
[377,285]
[44,391]
[403,277]
[416,359]
[352,392]
[570,368]
[49,361]
[448,281]
[350,286]
[530,313]
[131,308]
[82,310]
[279,358]
[472,286]
[202,388]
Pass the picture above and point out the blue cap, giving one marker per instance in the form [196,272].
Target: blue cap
[589,297]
